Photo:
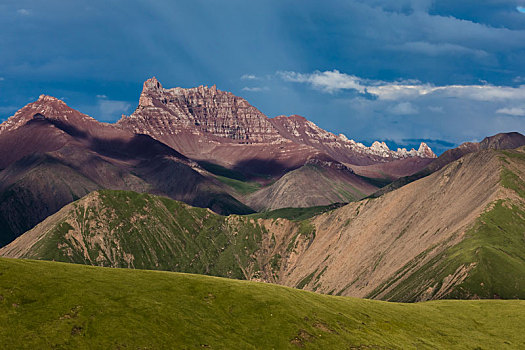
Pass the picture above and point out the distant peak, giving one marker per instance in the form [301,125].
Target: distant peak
[503,141]
[425,151]
[152,83]
[379,146]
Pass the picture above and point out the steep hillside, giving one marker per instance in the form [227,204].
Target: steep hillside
[457,233]
[49,305]
[52,155]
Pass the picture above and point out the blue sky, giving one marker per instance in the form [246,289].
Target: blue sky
[400,70]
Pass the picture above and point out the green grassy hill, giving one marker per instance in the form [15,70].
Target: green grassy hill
[144,231]
[296,214]
[50,305]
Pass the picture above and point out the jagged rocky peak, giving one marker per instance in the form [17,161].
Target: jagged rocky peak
[47,98]
[425,151]
[300,129]
[152,83]
[211,114]
[380,147]
[202,110]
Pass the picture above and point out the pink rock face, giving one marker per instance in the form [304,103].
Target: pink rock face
[202,111]
[208,124]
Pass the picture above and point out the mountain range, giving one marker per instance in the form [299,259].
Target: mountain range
[202,146]
[198,180]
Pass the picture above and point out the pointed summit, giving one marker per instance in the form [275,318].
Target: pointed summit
[425,151]
[45,108]
[379,146]
[152,83]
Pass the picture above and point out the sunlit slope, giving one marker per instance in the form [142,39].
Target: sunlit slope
[489,262]
[45,305]
[458,233]
[309,186]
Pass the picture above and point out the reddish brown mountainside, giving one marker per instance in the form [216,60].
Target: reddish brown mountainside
[52,155]
[457,233]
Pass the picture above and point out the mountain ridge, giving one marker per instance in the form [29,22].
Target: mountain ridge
[500,141]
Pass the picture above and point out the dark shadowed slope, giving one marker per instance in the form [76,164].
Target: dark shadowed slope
[52,155]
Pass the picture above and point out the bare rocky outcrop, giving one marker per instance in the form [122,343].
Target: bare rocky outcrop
[200,111]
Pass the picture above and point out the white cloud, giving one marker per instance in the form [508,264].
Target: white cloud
[329,81]
[24,12]
[404,108]
[514,111]
[333,81]
[249,77]
[2,78]
[255,89]
[102,96]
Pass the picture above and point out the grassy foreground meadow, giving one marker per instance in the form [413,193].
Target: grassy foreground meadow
[56,305]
